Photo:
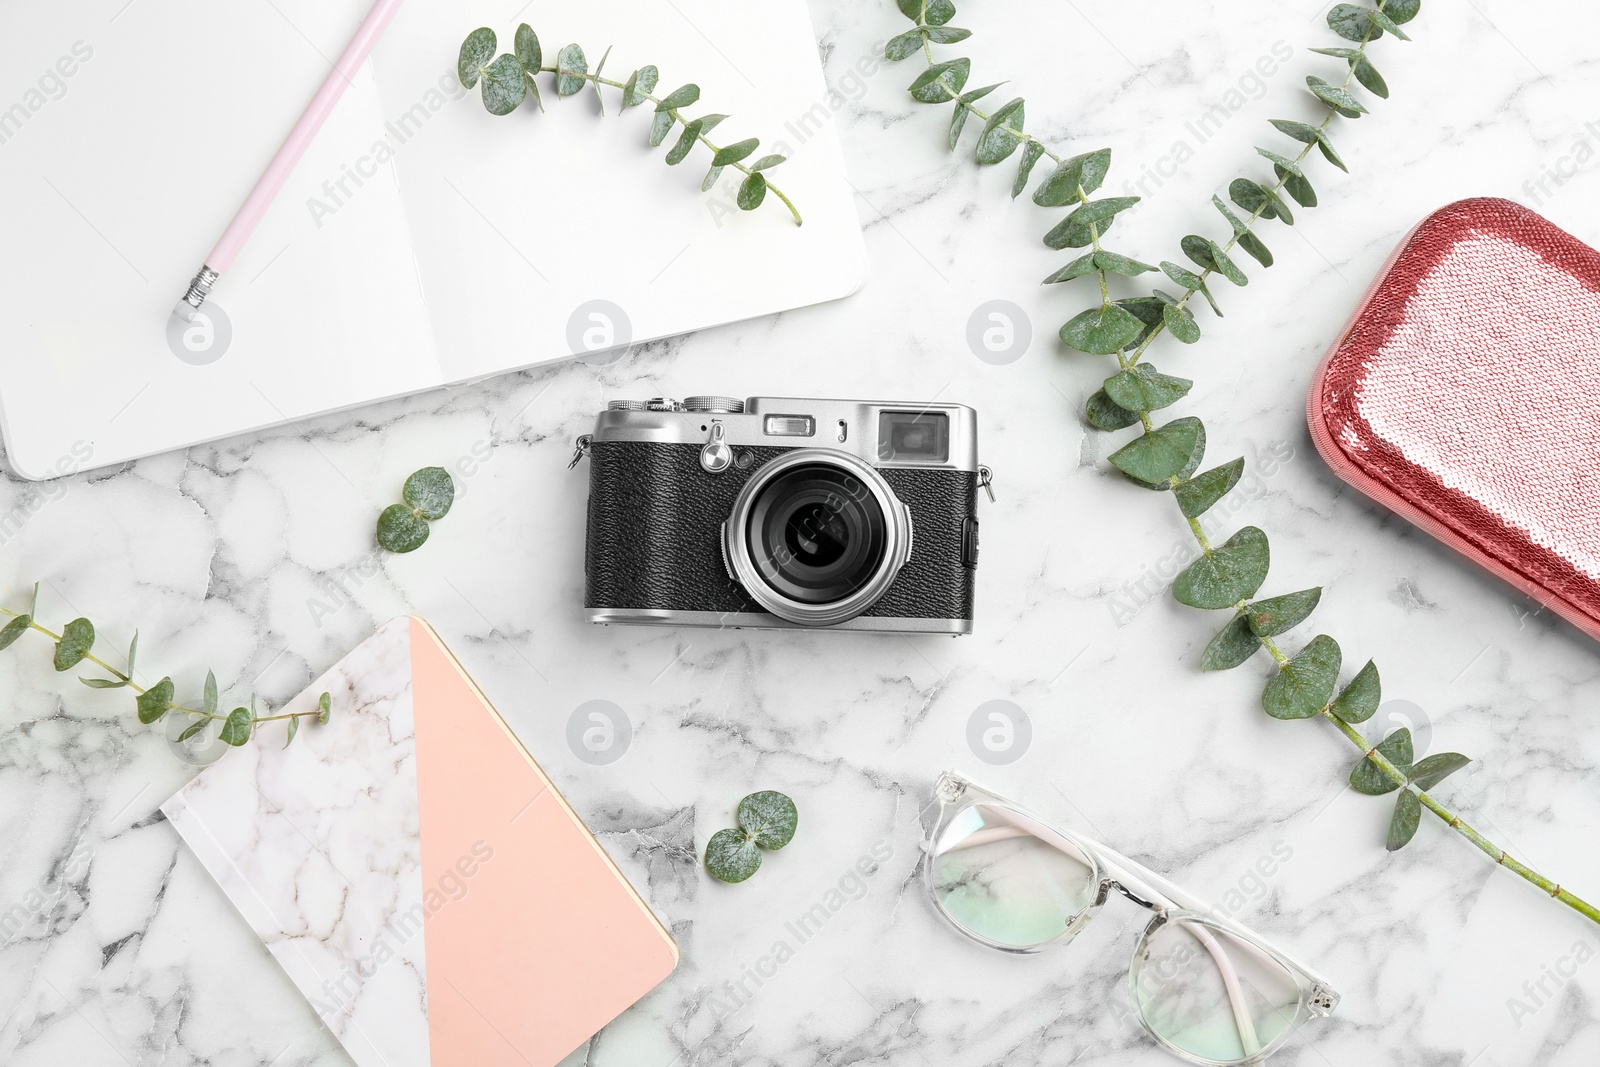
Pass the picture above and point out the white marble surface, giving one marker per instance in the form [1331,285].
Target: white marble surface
[254,558]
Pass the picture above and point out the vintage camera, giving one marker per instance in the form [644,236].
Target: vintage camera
[777,512]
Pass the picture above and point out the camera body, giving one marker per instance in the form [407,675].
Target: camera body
[784,513]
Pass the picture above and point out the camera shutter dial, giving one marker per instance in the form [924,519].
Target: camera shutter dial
[714,405]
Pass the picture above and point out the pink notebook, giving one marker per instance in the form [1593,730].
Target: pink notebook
[416,874]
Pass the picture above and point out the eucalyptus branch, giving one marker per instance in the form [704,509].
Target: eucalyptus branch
[509,79]
[74,645]
[1164,458]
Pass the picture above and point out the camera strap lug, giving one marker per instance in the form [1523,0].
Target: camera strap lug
[581,449]
[716,455]
[986,480]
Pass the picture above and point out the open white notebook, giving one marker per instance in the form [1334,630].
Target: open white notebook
[420,242]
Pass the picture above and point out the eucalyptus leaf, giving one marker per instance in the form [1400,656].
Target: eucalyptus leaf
[1386,23]
[1147,309]
[1119,264]
[1143,388]
[682,96]
[941,81]
[1103,413]
[1432,770]
[13,630]
[1281,161]
[686,142]
[1225,576]
[1303,686]
[505,86]
[133,652]
[1353,23]
[324,708]
[1163,453]
[947,34]
[768,162]
[401,529]
[1197,495]
[1031,153]
[154,702]
[431,491]
[1369,779]
[1407,817]
[1280,614]
[1232,646]
[1369,78]
[1402,11]
[1086,172]
[192,729]
[1359,700]
[905,45]
[294,728]
[711,179]
[1102,331]
[103,683]
[732,856]
[236,730]
[735,152]
[476,52]
[209,699]
[1081,267]
[752,191]
[660,126]
[640,85]
[1341,100]
[77,638]
[1247,240]
[958,122]
[1002,133]
[769,817]
[526,47]
[938,12]
[571,66]
[1181,323]
[1259,200]
[1298,186]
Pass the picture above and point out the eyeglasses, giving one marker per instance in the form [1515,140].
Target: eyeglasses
[1204,987]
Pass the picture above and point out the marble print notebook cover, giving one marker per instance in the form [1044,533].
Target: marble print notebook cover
[416,874]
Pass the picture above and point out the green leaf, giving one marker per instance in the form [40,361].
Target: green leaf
[686,142]
[1353,23]
[1247,240]
[1434,769]
[1225,266]
[1081,267]
[133,651]
[1000,135]
[294,728]
[1258,199]
[1339,99]
[1386,23]
[154,702]
[752,191]
[1143,388]
[947,34]
[571,66]
[1280,614]
[735,152]
[1181,323]
[1369,779]
[958,122]
[682,96]
[210,697]
[324,708]
[1369,77]
[77,638]
[1147,309]
[938,12]
[1402,11]
[1197,495]
[192,729]
[1118,264]
[1031,152]
[526,47]
[1281,161]
[476,52]
[13,630]
[732,856]
[1162,453]
[1302,688]
[430,491]
[1226,575]
[941,81]
[1407,817]
[236,731]
[1299,187]
[767,162]
[769,817]
[660,126]
[1360,699]
[1104,413]
[904,45]
[711,179]
[505,87]
[977,94]
[639,86]
[1102,331]
[103,683]
[595,81]
[1234,645]
[401,529]
[1087,221]
[1311,135]
[1086,172]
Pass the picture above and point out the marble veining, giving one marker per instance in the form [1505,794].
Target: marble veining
[254,558]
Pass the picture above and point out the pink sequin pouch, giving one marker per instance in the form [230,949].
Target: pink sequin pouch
[1464,395]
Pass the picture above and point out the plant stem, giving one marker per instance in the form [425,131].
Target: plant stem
[598,81]
[129,683]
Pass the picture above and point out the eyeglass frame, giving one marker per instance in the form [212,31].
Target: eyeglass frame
[1168,903]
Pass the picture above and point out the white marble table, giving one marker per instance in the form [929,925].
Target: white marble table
[253,557]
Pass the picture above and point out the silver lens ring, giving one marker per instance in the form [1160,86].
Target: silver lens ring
[739,552]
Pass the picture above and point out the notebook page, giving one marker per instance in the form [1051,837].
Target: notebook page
[119,177]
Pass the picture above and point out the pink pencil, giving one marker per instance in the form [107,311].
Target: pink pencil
[283,163]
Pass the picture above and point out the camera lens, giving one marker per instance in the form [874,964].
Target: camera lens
[817,534]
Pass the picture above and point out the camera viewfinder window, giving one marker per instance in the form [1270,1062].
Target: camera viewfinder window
[914,437]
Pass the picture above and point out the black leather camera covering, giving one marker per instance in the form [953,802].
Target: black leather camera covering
[655,533]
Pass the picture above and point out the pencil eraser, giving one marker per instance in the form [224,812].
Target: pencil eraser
[183,310]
